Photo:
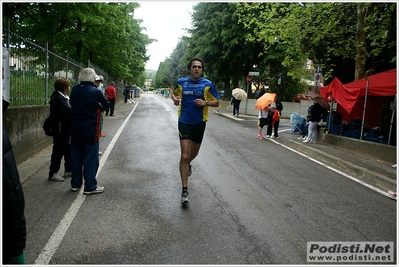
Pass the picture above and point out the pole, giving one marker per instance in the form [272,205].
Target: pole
[390,127]
[331,110]
[364,109]
[67,66]
[246,101]
[46,76]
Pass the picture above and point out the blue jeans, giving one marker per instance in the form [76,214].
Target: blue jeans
[84,163]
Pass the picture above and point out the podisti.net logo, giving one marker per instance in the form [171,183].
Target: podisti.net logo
[360,252]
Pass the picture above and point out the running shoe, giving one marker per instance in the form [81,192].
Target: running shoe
[261,137]
[184,196]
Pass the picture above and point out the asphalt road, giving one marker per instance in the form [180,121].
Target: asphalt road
[252,202]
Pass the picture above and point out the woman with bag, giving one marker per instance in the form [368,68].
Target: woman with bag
[274,117]
[60,111]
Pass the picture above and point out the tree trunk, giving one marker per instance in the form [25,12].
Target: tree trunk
[360,60]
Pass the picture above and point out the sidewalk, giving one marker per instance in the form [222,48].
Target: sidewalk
[29,167]
[369,170]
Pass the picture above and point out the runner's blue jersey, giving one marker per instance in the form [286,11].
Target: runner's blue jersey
[188,91]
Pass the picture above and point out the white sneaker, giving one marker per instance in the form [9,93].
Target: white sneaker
[307,140]
[74,189]
[57,178]
[99,189]
[267,136]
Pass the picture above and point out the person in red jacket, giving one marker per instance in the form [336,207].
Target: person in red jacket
[110,93]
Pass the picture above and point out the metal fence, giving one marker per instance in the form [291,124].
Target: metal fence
[34,68]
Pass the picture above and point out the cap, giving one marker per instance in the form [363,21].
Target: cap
[98,78]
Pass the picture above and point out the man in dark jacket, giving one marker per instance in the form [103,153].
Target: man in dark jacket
[87,102]
[315,114]
[14,228]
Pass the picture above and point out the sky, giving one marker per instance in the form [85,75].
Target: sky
[164,21]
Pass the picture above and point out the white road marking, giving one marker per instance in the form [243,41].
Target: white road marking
[55,240]
[331,168]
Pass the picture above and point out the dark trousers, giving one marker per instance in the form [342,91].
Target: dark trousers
[236,109]
[111,108]
[85,163]
[269,128]
[61,148]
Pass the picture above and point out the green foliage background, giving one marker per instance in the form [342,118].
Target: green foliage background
[346,40]
[280,37]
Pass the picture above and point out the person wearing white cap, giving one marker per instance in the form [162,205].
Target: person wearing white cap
[87,102]
[99,83]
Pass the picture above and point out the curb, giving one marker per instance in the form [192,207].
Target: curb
[359,171]
[343,164]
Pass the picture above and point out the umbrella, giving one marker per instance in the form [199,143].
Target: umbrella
[319,99]
[239,94]
[265,100]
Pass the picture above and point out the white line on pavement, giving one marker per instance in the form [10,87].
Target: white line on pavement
[335,170]
[59,233]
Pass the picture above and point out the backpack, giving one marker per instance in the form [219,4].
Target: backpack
[50,126]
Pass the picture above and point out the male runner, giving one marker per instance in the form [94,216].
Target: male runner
[193,95]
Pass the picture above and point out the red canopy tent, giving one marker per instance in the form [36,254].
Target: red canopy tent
[381,84]
[345,97]
[373,92]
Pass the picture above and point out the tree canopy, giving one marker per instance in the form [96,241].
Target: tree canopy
[105,33]
[345,40]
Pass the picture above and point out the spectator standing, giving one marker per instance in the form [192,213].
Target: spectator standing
[13,217]
[110,94]
[236,106]
[126,93]
[262,120]
[193,95]
[60,111]
[86,103]
[276,106]
[99,84]
[315,114]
